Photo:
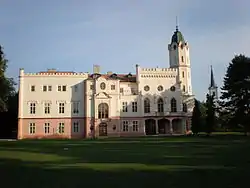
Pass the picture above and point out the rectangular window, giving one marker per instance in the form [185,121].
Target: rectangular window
[125,126]
[134,106]
[112,87]
[91,87]
[121,90]
[32,108]
[59,88]
[64,88]
[61,128]
[32,128]
[76,127]
[33,88]
[46,128]
[49,88]
[47,108]
[61,108]
[44,88]
[124,106]
[183,74]
[183,88]
[182,59]
[75,107]
[135,126]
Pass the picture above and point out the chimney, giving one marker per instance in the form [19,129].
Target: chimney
[96,69]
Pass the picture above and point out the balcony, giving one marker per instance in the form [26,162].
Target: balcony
[160,114]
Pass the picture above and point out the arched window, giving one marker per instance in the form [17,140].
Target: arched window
[173,105]
[160,105]
[103,111]
[183,88]
[184,107]
[146,105]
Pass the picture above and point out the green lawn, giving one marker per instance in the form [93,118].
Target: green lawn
[219,161]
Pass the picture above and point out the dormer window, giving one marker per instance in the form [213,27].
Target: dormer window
[95,75]
[129,75]
[113,75]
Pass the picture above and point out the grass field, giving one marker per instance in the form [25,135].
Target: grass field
[219,161]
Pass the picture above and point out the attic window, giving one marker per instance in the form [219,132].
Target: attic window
[174,47]
[96,75]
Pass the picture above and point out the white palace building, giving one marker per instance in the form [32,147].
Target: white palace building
[154,101]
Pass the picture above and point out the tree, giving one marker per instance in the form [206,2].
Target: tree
[7,89]
[210,114]
[203,109]
[236,91]
[196,118]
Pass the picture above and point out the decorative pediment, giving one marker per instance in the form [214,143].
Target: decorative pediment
[46,101]
[103,95]
[61,101]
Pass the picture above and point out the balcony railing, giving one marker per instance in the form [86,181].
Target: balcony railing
[166,114]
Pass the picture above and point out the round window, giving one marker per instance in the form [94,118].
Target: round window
[160,88]
[103,86]
[146,88]
[172,88]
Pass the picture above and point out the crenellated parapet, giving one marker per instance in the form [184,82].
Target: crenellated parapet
[53,73]
[158,72]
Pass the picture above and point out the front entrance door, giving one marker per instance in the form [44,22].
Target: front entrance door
[103,129]
[150,127]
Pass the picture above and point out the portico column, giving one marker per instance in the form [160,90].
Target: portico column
[144,127]
[171,127]
[156,127]
[183,122]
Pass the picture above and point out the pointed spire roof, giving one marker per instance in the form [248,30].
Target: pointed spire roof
[212,82]
[177,36]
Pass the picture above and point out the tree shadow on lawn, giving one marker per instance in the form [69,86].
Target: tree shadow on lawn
[188,154]
[17,173]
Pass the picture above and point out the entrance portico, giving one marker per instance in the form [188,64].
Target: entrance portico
[166,126]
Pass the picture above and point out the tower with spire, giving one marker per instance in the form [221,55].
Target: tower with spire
[179,59]
[213,89]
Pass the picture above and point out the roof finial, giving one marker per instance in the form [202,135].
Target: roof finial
[176,23]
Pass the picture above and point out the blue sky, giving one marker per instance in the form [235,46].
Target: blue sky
[117,34]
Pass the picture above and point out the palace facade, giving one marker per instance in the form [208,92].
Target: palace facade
[153,101]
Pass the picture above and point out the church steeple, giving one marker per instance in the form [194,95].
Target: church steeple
[176,24]
[213,89]
[212,82]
